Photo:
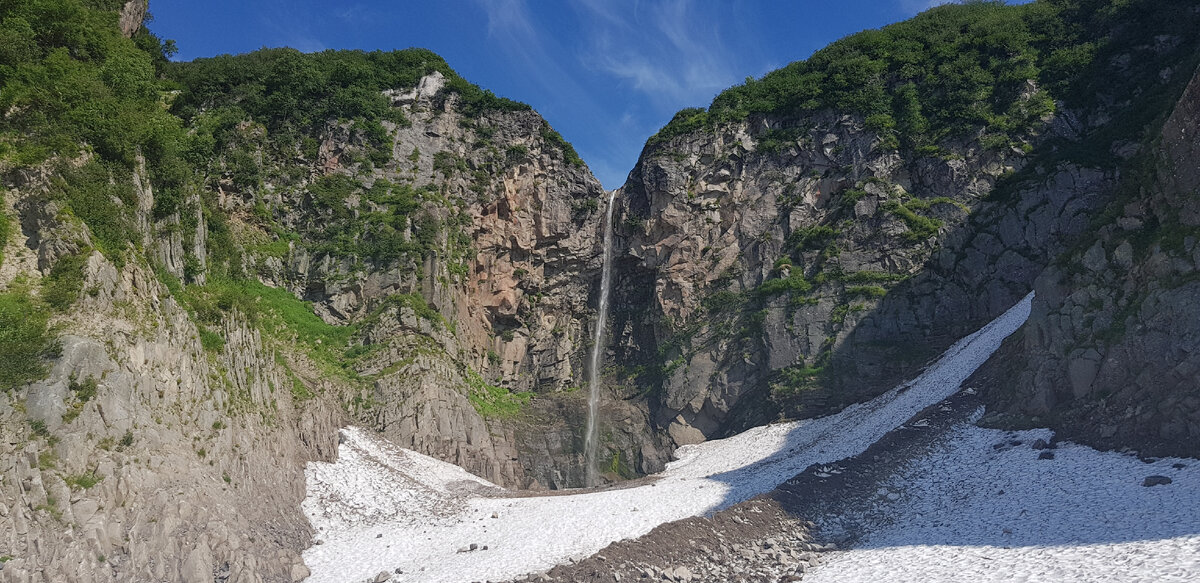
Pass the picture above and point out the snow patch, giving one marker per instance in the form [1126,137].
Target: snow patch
[383,508]
[973,512]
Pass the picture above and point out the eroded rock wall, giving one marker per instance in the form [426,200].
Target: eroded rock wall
[143,456]
[758,278]
[1111,353]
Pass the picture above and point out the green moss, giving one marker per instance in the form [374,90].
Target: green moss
[919,228]
[492,401]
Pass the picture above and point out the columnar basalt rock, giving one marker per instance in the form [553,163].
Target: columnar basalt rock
[773,261]
[1111,354]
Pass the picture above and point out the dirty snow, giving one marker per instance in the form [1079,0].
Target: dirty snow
[973,513]
[383,508]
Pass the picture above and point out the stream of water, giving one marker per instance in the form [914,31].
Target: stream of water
[590,440]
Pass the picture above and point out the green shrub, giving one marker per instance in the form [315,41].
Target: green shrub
[25,340]
[84,391]
[919,228]
[814,237]
[792,283]
[61,289]
[83,481]
[211,341]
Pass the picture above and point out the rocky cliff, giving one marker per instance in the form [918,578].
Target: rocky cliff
[461,262]
[207,268]
[794,259]
[1109,356]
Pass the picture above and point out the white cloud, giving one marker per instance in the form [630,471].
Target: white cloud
[915,6]
[669,49]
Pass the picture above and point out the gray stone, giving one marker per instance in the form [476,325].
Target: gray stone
[1156,481]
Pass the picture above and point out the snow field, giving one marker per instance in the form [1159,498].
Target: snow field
[970,512]
[383,508]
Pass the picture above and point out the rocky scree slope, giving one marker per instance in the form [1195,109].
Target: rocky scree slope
[818,235]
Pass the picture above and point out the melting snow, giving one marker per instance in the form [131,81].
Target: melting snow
[382,508]
[971,512]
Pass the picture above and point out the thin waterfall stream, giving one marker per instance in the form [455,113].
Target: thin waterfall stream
[590,440]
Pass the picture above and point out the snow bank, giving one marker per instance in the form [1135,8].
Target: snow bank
[382,508]
[974,513]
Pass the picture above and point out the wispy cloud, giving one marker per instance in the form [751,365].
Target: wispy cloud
[670,49]
[915,6]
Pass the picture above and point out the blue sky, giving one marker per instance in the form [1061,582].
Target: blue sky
[606,73]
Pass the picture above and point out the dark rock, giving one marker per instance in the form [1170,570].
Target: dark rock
[1040,444]
[1156,481]
[1178,466]
[1046,455]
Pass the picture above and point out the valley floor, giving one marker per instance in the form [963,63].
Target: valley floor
[382,509]
[915,489]
[984,505]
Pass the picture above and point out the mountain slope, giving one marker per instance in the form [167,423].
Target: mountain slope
[799,246]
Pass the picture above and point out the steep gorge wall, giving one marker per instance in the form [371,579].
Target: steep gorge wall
[1111,353]
[143,455]
[509,288]
[788,264]
[791,280]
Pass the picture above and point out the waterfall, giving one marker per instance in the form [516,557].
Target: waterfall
[590,439]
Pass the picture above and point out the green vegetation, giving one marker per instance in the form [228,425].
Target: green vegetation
[71,84]
[792,283]
[5,233]
[808,238]
[25,339]
[556,139]
[62,287]
[866,291]
[919,228]
[292,95]
[860,277]
[957,69]
[83,481]
[794,380]
[275,311]
[69,77]
[492,401]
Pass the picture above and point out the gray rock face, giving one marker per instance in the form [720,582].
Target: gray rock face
[794,278]
[169,471]
[1111,353]
[514,314]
